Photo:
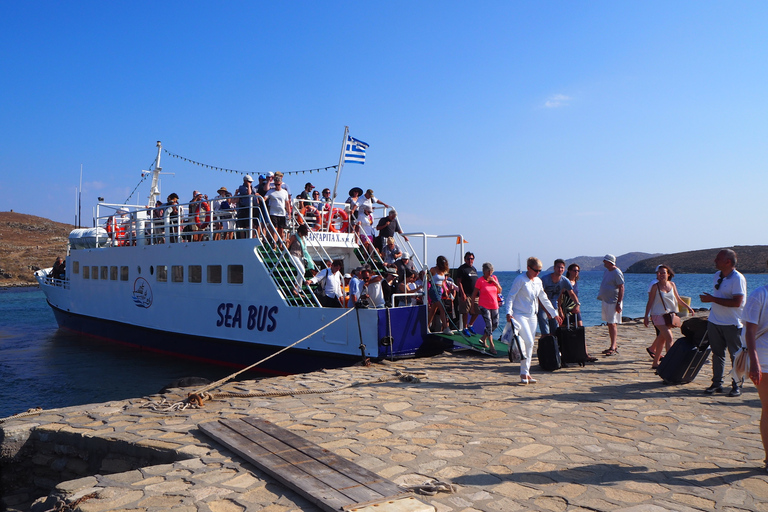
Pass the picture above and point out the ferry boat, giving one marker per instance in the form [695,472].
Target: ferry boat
[228,295]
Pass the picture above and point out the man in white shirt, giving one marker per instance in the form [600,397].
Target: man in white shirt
[332,277]
[724,322]
[279,207]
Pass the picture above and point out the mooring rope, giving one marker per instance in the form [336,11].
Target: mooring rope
[197,398]
[166,405]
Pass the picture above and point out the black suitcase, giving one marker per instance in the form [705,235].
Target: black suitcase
[683,361]
[548,353]
[573,343]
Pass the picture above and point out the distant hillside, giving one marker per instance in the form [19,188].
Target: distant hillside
[28,243]
[596,262]
[751,260]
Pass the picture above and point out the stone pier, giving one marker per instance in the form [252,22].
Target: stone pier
[609,436]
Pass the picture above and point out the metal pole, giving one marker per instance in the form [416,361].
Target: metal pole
[338,175]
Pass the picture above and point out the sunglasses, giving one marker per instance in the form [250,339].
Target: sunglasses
[719,281]
[535,269]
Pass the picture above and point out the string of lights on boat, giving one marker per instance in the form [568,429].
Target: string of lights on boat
[243,173]
[222,169]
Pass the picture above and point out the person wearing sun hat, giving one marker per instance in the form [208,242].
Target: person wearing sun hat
[612,295]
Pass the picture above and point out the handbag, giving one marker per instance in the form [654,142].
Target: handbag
[670,318]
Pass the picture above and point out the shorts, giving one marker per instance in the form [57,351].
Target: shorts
[610,316]
[468,306]
[658,320]
[434,294]
[278,221]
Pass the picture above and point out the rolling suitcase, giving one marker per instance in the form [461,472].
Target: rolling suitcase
[683,361]
[548,353]
[573,343]
[694,329]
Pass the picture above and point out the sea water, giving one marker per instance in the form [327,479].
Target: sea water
[636,291]
[41,366]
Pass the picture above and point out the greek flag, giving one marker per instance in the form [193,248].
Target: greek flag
[354,152]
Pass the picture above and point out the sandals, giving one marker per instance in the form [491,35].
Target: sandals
[651,353]
[611,351]
[492,351]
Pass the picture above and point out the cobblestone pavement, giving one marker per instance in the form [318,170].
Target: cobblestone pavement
[609,436]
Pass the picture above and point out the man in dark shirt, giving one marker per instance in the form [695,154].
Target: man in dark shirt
[387,227]
[466,275]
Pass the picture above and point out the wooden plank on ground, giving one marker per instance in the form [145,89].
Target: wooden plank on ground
[330,481]
[293,478]
[357,473]
[325,474]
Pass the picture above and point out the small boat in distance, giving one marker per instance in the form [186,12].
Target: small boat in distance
[194,284]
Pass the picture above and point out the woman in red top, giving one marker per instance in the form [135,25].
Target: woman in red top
[487,290]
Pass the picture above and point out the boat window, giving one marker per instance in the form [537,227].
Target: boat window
[105,272]
[124,273]
[162,273]
[214,273]
[113,273]
[195,273]
[86,272]
[76,267]
[177,273]
[95,272]
[235,274]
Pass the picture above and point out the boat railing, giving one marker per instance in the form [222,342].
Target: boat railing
[48,279]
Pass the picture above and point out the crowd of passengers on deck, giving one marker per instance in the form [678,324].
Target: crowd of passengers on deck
[243,214]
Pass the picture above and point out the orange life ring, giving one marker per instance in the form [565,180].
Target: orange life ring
[300,215]
[340,216]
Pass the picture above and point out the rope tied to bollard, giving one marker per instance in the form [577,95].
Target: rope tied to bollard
[166,405]
[432,487]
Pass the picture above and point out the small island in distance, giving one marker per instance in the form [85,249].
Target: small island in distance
[752,260]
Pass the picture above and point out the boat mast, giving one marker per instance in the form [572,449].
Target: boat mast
[338,174]
[154,191]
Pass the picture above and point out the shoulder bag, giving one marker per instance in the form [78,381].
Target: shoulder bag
[670,317]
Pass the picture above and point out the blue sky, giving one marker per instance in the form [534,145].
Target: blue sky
[553,129]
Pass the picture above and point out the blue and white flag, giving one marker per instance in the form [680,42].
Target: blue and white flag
[354,152]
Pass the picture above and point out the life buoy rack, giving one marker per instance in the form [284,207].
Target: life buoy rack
[206,216]
[339,222]
[116,231]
